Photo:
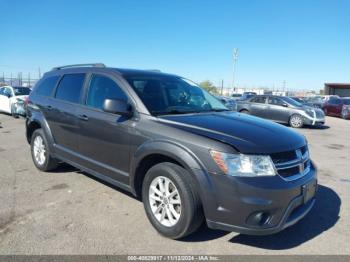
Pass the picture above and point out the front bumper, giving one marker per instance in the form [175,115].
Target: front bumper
[237,200]
[313,120]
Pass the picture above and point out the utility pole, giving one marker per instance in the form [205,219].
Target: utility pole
[222,86]
[235,57]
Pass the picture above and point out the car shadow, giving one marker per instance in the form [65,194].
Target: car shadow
[321,218]
[64,168]
[320,127]
[204,234]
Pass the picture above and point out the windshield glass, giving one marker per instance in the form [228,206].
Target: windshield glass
[297,99]
[173,95]
[292,102]
[346,101]
[316,99]
[21,91]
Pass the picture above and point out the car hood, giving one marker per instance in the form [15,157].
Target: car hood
[247,134]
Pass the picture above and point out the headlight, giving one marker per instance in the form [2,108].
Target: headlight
[244,165]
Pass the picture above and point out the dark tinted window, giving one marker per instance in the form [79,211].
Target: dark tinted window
[46,86]
[346,101]
[335,101]
[101,88]
[69,88]
[21,91]
[275,101]
[259,99]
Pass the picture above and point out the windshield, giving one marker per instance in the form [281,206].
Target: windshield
[292,102]
[173,95]
[346,101]
[21,91]
[316,99]
[297,99]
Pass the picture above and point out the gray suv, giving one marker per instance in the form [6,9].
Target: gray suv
[175,146]
[282,109]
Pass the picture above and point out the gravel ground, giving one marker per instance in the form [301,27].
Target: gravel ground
[69,212]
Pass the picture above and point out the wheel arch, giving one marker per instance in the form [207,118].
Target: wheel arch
[155,152]
[35,121]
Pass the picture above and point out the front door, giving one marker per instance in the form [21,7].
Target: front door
[104,137]
[5,95]
[277,110]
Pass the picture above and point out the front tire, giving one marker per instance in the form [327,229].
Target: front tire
[344,114]
[170,200]
[41,153]
[296,121]
[13,111]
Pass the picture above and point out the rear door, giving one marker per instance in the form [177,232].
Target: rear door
[61,113]
[104,141]
[277,111]
[258,106]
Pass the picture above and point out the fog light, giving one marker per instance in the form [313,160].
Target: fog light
[258,219]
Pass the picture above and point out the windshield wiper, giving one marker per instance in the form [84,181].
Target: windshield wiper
[174,112]
[220,109]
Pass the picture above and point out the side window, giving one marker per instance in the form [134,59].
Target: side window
[69,88]
[275,101]
[101,88]
[46,86]
[8,92]
[260,100]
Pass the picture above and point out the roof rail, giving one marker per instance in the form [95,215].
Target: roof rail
[80,65]
[154,70]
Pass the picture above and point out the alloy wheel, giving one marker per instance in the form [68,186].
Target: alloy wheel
[39,150]
[165,201]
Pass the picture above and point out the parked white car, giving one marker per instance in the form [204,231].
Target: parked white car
[12,100]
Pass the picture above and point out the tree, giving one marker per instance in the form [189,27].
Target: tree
[207,85]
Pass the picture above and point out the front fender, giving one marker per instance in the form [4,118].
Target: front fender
[186,158]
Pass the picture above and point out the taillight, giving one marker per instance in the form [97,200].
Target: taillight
[26,101]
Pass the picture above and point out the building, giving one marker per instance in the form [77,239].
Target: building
[340,89]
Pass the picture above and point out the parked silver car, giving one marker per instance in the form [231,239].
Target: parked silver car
[282,109]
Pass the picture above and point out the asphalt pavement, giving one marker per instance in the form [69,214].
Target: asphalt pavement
[70,212]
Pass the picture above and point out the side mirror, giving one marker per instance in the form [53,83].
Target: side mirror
[117,106]
[8,95]
[285,105]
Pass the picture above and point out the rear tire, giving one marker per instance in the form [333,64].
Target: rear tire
[41,153]
[173,214]
[296,121]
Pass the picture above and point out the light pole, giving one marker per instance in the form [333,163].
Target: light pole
[235,57]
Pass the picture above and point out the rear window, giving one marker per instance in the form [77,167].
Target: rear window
[346,101]
[45,87]
[69,88]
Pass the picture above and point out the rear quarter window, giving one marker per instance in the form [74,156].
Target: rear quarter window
[69,88]
[46,86]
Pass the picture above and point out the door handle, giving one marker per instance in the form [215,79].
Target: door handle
[83,117]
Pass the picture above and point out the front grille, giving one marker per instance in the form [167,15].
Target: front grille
[292,164]
[283,157]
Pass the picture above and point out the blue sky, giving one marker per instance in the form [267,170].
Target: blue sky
[305,43]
